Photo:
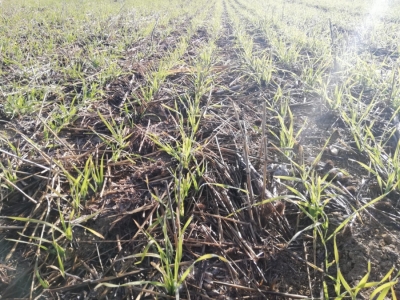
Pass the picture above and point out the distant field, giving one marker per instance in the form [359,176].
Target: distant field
[219,149]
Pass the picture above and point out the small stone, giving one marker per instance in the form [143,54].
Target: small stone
[280,208]
[281,171]
[351,189]
[334,151]
[346,233]
[387,239]
[310,160]
[329,165]
[384,205]
[213,293]
[208,276]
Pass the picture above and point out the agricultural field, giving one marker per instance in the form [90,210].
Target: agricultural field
[199,149]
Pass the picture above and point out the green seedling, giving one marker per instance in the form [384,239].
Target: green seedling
[119,138]
[90,179]
[22,102]
[287,137]
[381,288]
[169,261]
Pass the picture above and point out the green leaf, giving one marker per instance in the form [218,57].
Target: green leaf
[92,231]
[383,294]
[363,281]
[371,284]
[314,225]
[60,252]
[29,220]
[344,282]
[203,257]
[29,243]
[387,276]
[383,288]
[325,288]
[68,233]
[42,282]
[134,283]
[335,250]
